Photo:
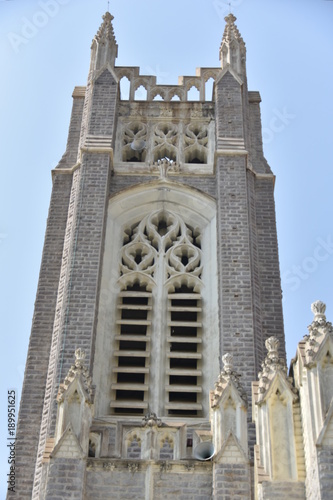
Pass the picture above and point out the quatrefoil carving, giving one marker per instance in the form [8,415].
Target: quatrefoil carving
[165,141]
[134,140]
[196,141]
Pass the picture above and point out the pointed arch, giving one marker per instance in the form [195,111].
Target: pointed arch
[193,93]
[159,242]
[209,88]
[124,84]
[140,93]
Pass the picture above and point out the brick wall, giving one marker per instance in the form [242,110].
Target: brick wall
[325,467]
[281,491]
[236,315]
[205,184]
[103,105]
[30,415]
[115,485]
[229,109]
[232,481]
[270,282]
[66,479]
[183,486]
[71,155]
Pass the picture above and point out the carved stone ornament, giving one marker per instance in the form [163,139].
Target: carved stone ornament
[151,420]
[272,346]
[133,467]
[231,32]
[189,466]
[270,367]
[165,467]
[77,370]
[318,331]
[226,376]
[159,233]
[228,362]
[164,166]
[318,308]
[106,31]
[109,466]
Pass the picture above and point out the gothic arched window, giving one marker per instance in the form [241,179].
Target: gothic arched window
[157,328]
[159,318]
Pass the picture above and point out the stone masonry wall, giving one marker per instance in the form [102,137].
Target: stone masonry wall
[232,481]
[102,115]
[229,116]
[270,282]
[66,479]
[50,389]
[205,184]
[234,264]
[70,157]
[82,299]
[255,273]
[325,466]
[283,490]
[30,415]
[116,485]
[183,486]
[77,300]
[259,163]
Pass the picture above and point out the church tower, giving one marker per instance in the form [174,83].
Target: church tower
[159,287]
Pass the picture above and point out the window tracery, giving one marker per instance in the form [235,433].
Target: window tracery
[160,268]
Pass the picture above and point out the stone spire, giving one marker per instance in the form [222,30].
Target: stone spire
[104,46]
[232,49]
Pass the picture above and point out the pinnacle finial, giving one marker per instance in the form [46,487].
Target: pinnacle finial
[272,346]
[232,49]
[104,46]
[231,31]
[105,31]
[230,18]
[80,356]
[318,308]
[228,362]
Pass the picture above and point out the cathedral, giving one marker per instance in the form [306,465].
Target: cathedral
[156,366]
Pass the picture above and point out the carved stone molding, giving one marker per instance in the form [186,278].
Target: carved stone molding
[133,467]
[319,329]
[77,370]
[227,374]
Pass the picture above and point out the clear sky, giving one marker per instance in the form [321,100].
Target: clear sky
[45,52]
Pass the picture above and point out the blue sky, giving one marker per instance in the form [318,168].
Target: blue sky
[45,51]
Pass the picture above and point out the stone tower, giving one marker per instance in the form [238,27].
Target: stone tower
[159,288]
